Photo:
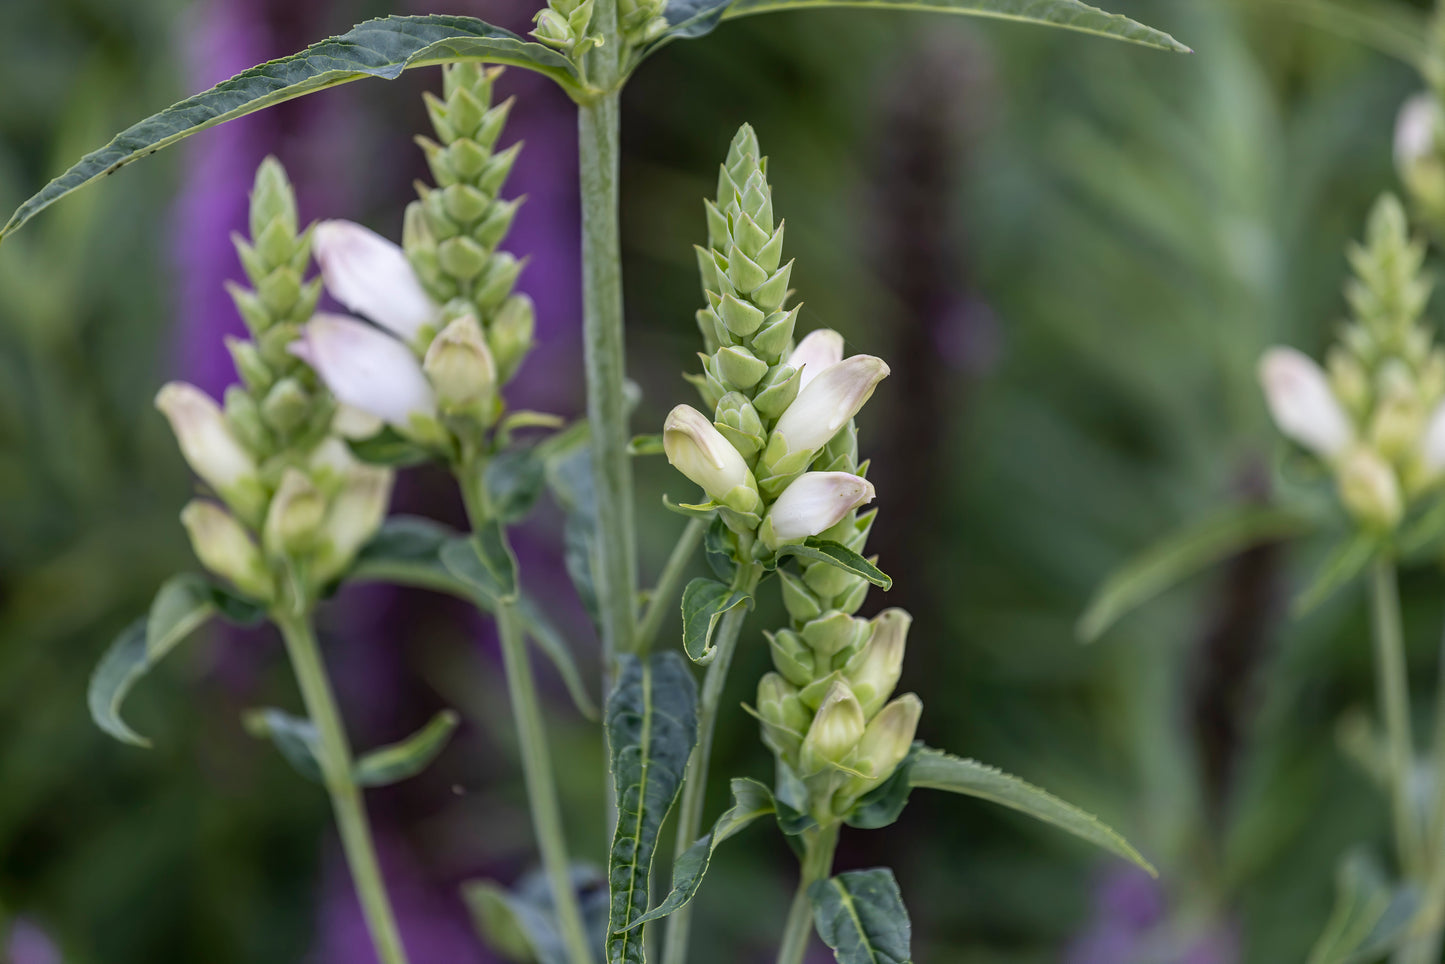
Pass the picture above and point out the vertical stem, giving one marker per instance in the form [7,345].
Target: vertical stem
[694,788]
[336,771]
[1394,696]
[819,846]
[664,594]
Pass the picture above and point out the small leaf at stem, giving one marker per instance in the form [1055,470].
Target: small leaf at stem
[389,448]
[399,761]
[882,806]
[514,480]
[839,556]
[1371,917]
[645,445]
[484,563]
[703,603]
[1343,565]
[860,915]
[294,736]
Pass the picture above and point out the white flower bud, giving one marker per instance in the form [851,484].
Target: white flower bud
[366,368]
[836,729]
[226,548]
[700,452]
[1432,442]
[460,366]
[818,350]
[814,501]
[875,669]
[295,514]
[1416,130]
[1370,490]
[372,277]
[356,514]
[889,737]
[209,446]
[1301,402]
[828,402]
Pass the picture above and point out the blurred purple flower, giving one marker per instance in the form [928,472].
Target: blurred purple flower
[28,944]
[1133,923]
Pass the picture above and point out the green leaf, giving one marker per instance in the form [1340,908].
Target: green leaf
[751,800]
[838,555]
[569,475]
[936,770]
[717,547]
[693,18]
[294,736]
[521,923]
[1347,561]
[651,730]
[400,761]
[1371,918]
[378,48]
[389,448]
[181,605]
[860,915]
[1391,28]
[1181,555]
[703,603]
[1068,14]
[514,480]
[705,510]
[484,562]
[883,805]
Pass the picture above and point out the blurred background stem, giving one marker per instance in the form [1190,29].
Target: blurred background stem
[1394,695]
[664,594]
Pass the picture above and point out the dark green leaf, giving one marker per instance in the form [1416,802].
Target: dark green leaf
[521,923]
[717,547]
[791,800]
[936,770]
[651,730]
[484,563]
[882,806]
[400,761]
[1347,561]
[294,736]
[751,800]
[514,480]
[569,474]
[378,48]
[1068,14]
[860,915]
[389,448]
[840,556]
[703,603]
[1371,917]
[1181,555]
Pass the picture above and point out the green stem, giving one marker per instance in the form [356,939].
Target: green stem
[1394,696]
[537,767]
[819,846]
[664,595]
[694,788]
[346,801]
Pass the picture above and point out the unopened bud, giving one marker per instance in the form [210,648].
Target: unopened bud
[356,514]
[1300,400]
[510,334]
[792,657]
[460,367]
[888,738]
[1369,489]
[828,402]
[784,717]
[874,671]
[209,447]
[227,549]
[700,452]
[837,728]
[813,502]
[1420,150]
[295,514]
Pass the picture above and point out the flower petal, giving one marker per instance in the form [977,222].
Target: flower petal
[372,277]
[1302,403]
[366,368]
[818,350]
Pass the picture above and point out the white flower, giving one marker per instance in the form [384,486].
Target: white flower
[889,737]
[700,452]
[1432,442]
[226,548]
[366,368]
[356,514]
[813,502]
[372,277]
[875,669]
[207,443]
[1301,402]
[818,350]
[460,366]
[829,401]
[1416,129]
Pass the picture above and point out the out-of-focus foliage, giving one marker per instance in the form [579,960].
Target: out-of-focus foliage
[1071,253]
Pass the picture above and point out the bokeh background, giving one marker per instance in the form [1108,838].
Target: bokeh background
[1070,250]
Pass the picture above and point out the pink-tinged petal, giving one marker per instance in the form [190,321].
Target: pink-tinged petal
[829,401]
[366,369]
[818,350]
[372,277]
[816,501]
[1301,402]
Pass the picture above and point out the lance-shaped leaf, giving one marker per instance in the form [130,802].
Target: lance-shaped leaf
[183,603]
[400,761]
[389,448]
[704,602]
[651,729]
[751,800]
[520,924]
[294,736]
[378,48]
[839,556]
[883,805]
[860,915]
[694,18]
[1345,562]
[936,770]
[407,551]
[484,563]
[569,475]
[1371,918]
[1181,555]
[514,480]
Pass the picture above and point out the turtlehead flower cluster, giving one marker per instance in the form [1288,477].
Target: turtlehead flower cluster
[566,24]
[445,328]
[1376,414]
[768,456]
[292,499]
[1420,156]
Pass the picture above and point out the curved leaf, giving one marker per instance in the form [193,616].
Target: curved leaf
[1068,14]
[521,923]
[751,800]
[378,48]
[840,556]
[704,602]
[651,729]
[936,770]
[860,915]
[1371,918]
[1347,561]
[1183,554]
[484,563]
[294,736]
[883,805]
[1393,29]
[400,761]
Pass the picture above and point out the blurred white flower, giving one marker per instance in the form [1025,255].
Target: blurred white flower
[366,369]
[1301,402]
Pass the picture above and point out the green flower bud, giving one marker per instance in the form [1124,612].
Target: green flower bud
[510,334]
[739,367]
[287,406]
[254,372]
[837,727]
[243,416]
[776,390]
[493,227]
[773,340]
[295,515]
[834,632]
[461,370]
[783,715]
[798,599]
[873,672]
[1369,489]
[496,282]
[885,743]
[279,291]
[272,199]
[792,657]
[462,258]
[225,548]
[740,317]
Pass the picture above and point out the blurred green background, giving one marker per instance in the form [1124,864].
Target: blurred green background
[1071,251]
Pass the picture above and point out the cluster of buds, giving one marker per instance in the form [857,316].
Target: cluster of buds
[447,329]
[1420,157]
[564,24]
[768,457]
[1376,415]
[641,21]
[293,501]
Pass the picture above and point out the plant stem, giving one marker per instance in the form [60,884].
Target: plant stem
[346,801]
[818,850]
[694,788]
[1394,696]
[537,768]
[665,593]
